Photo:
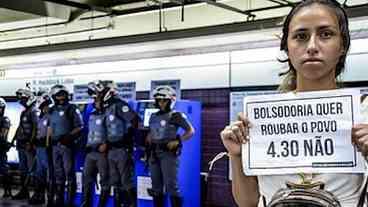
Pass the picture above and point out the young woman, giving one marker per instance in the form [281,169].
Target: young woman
[316,40]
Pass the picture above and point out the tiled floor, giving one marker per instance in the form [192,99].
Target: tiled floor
[10,203]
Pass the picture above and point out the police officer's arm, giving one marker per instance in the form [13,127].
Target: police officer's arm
[4,133]
[5,130]
[77,122]
[18,132]
[49,131]
[125,112]
[34,120]
[188,133]
[181,120]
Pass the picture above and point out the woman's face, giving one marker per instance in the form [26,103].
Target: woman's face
[314,44]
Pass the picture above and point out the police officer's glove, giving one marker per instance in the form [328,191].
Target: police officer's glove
[66,140]
[102,148]
[175,145]
[29,146]
[4,146]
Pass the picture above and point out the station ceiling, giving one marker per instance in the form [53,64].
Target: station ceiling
[40,23]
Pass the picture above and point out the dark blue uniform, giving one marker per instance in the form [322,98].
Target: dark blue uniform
[62,120]
[4,125]
[96,161]
[164,163]
[26,132]
[119,121]
[41,155]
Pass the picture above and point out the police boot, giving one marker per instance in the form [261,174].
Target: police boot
[117,197]
[87,196]
[176,201]
[7,187]
[132,197]
[158,200]
[50,195]
[59,200]
[71,195]
[103,198]
[38,197]
[23,193]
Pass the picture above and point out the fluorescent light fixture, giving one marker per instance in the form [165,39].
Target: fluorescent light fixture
[46,38]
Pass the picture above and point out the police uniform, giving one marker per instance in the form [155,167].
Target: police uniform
[96,161]
[4,125]
[41,161]
[164,163]
[63,119]
[118,122]
[25,135]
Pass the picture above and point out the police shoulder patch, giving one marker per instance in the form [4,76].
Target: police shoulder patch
[111,117]
[125,109]
[163,123]
[184,116]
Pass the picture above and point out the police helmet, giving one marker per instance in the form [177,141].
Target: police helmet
[2,103]
[43,99]
[59,90]
[94,88]
[303,197]
[164,92]
[26,96]
[107,89]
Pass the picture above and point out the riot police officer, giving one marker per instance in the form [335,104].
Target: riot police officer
[96,148]
[120,123]
[4,148]
[64,127]
[25,135]
[43,103]
[165,146]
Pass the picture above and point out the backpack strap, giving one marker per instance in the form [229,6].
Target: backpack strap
[364,194]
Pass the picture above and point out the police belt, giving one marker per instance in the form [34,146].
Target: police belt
[40,142]
[119,145]
[159,146]
[55,140]
[93,148]
[22,142]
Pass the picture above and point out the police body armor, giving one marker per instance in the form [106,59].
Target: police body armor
[161,127]
[299,195]
[116,126]
[4,144]
[42,131]
[97,132]
[26,125]
[59,122]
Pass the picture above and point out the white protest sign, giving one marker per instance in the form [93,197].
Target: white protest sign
[302,132]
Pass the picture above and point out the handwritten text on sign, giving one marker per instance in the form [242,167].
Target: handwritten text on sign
[304,132]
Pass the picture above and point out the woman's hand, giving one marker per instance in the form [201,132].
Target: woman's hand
[359,136]
[236,134]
